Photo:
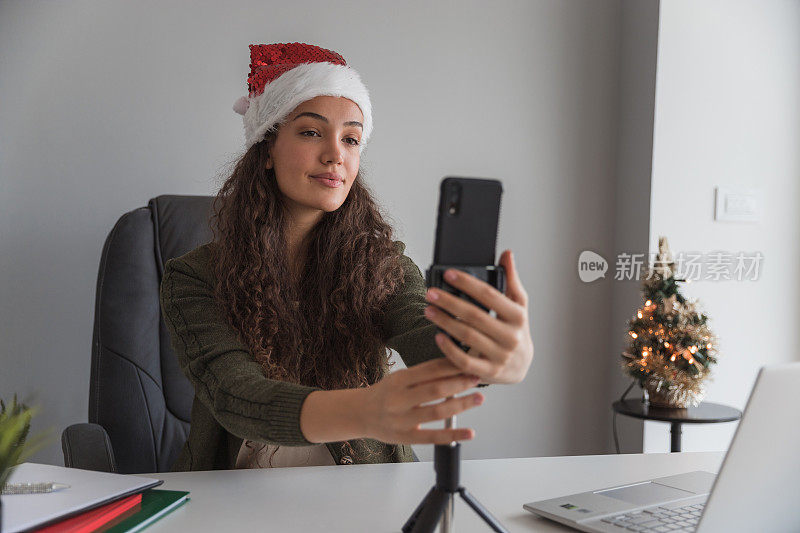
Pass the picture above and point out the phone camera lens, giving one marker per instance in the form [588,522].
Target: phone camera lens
[453,193]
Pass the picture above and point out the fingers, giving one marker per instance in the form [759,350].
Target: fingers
[446,409]
[468,314]
[467,363]
[471,334]
[507,309]
[430,391]
[427,371]
[440,436]
[397,411]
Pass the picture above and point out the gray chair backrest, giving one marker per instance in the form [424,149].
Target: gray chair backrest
[137,391]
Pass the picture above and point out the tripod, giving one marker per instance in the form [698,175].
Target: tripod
[439,503]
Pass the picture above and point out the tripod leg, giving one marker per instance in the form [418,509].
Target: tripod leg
[427,514]
[415,515]
[482,512]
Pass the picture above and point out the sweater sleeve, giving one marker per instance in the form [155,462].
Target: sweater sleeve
[405,327]
[226,378]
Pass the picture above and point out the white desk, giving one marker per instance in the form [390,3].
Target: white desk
[374,498]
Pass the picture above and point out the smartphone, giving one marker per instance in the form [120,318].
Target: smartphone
[466,235]
[467,221]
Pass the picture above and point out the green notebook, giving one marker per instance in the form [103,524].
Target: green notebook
[155,504]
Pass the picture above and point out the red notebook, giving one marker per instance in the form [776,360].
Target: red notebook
[94,519]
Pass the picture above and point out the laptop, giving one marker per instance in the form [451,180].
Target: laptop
[757,489]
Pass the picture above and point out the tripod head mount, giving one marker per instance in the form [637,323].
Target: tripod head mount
[494,275]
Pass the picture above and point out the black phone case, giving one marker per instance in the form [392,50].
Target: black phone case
[468,237]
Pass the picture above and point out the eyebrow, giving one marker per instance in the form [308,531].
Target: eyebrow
[323,119]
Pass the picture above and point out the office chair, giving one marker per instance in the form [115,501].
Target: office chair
[139,400]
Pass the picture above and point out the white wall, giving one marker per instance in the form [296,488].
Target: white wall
[728,113]
[631,207]
[105,104]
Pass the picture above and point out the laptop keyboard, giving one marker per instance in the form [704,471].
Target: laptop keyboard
[659,519]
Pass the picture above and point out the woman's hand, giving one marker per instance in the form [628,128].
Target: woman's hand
[503,342]
[392,410]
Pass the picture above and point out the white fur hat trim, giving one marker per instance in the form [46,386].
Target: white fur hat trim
[265,112]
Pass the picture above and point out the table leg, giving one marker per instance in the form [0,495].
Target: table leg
[675,434]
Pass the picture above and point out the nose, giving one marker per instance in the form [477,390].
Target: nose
[333,152]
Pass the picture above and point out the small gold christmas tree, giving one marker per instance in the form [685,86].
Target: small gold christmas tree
[671,347]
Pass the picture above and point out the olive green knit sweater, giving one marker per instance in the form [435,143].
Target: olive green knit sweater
[234,401]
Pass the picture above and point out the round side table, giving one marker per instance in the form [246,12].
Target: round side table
[705,413]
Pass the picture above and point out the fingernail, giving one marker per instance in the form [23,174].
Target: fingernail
[429,312]
[478,400]
[432,295]
[474,380]
[450,275]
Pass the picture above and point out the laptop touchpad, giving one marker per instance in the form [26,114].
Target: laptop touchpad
[647,493]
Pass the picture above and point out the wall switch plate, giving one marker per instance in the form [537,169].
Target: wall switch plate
[737,204]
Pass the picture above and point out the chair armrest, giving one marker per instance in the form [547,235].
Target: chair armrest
[87,446]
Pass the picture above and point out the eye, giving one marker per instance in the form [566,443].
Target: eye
[309,131]
[355,142]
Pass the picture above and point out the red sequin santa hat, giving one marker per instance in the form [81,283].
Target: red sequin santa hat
[284,75]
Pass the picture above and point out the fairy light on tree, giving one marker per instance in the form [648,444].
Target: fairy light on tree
[670,345]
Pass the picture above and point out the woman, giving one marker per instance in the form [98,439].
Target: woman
[282,322]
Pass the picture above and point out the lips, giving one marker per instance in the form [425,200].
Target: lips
[328,179]
[328,176]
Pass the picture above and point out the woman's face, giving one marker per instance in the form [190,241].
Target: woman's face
[321,136]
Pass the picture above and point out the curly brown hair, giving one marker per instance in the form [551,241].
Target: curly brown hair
[331,336]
